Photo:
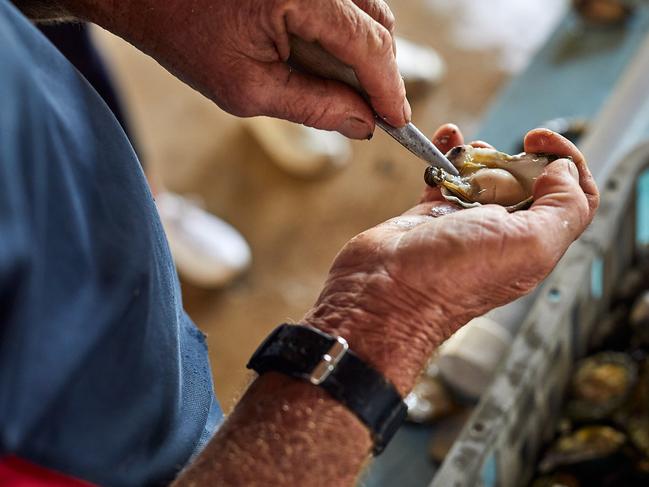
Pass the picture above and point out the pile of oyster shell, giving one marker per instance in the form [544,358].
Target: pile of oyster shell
[602,437]
[488,176]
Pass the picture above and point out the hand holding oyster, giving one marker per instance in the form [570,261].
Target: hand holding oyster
[488,176]
[407,284]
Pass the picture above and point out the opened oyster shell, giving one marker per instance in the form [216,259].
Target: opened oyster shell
[489,176]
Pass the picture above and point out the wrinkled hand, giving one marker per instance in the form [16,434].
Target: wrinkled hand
[234,52]
[401,288]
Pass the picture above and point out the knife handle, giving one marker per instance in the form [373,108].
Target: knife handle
[310,57]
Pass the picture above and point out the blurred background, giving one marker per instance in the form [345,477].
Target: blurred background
[294,210]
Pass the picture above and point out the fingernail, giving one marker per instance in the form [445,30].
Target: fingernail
[572,169]
[407,111]
[355,128]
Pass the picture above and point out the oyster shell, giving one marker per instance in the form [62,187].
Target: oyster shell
[489,176]
[600,385]
[635,415]
[591,448]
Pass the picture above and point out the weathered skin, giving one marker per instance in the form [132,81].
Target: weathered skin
[398,272]
[234,52]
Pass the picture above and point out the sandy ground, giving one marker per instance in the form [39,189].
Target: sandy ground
[295,227]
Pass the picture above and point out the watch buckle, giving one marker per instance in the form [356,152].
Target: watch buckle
[329,361]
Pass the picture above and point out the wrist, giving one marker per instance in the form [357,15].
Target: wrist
[379,328]
[283,431]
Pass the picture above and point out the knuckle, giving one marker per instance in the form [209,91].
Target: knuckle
[382,40]
[386,17]
[389,21]
[379,11]
[315,117]
[279,8]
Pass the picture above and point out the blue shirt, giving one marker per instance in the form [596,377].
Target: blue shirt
[102,374]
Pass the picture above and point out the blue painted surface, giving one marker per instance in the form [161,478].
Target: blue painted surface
[405,462]
[571,76]
[489,474]
[642,214]
[597,278]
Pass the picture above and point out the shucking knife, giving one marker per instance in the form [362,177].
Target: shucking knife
[310,57]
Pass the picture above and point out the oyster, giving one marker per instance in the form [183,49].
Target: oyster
[489,176]
[638,430]
[635,415]
[590,448]
[601,384]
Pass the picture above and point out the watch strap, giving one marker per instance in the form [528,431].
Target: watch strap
[326,361]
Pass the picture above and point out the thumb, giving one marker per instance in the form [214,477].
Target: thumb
[560,210]
[312,101]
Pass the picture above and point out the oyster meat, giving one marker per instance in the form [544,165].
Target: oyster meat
[489,176]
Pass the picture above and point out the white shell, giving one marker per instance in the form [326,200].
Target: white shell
[507,180]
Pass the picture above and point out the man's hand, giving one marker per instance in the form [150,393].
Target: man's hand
[399,289]
[396,292]
[234,52]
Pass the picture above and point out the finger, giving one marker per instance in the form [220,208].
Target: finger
[379,11]
[546,141]
[431,193]
[311,101]
[447,136]
[560,211]
[354,37]
[481,144]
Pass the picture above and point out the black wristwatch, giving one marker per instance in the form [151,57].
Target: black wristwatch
[326,361]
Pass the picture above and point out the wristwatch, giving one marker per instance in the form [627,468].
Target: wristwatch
[326,361]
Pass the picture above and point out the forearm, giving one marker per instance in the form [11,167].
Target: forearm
[283,432]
